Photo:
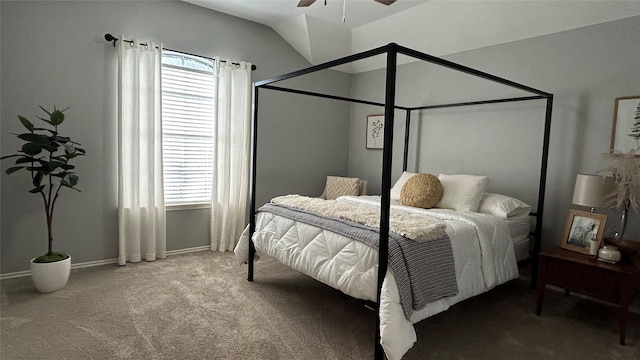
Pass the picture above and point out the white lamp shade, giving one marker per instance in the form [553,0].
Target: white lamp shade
[591,190]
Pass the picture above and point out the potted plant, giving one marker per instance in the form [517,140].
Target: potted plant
[46,155]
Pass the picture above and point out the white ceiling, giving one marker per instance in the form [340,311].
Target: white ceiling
[435,27]
[273,12]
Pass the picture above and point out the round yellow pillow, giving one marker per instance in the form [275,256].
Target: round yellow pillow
[421,190]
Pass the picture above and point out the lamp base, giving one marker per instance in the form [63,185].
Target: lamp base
[621,226]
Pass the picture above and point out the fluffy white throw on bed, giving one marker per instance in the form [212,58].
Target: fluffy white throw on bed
[418,228]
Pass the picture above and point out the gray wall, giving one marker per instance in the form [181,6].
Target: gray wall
[586,69]
[53,52]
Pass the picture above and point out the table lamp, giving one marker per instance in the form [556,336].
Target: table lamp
[591,190]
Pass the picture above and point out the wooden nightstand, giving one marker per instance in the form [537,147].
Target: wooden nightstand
[584,274]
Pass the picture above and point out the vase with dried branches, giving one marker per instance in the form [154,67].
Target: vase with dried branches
[625,168]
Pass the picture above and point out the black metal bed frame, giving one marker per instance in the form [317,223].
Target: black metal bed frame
[392,50]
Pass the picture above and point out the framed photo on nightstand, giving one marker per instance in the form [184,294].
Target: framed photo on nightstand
[582,228]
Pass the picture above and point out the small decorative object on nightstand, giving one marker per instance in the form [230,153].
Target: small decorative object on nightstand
[593,247]
[628,248]
[610,254]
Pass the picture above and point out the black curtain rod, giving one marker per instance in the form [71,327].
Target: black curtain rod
[113,39]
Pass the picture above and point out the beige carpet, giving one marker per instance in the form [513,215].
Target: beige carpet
[200,306]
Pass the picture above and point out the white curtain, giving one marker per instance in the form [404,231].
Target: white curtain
[231,155]
[141,210]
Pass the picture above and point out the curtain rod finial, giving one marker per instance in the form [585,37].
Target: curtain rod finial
[110,37]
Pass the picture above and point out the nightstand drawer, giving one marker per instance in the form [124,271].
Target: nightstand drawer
[583,279]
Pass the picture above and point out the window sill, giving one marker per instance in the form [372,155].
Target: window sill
[198,206]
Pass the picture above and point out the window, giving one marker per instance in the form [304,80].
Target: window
[188,109]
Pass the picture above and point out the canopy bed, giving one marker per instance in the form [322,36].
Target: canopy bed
[367,276]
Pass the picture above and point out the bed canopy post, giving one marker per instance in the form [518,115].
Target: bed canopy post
[387,155]
[541,190]
[252,207]
[405,156]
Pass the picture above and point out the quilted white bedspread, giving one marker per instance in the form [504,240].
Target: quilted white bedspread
[483,254]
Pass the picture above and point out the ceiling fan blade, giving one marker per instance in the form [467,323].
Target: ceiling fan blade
[386,2]
[305,3]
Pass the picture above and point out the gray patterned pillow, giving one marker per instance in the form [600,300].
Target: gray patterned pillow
[340,186]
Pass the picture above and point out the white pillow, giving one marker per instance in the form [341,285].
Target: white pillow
[397,187]
[462,192]
[503,206]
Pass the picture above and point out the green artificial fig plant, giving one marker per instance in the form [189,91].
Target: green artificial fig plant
[46,155]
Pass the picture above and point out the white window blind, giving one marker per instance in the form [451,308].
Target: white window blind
[188,110]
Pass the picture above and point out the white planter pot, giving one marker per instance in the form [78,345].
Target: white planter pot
[49,277]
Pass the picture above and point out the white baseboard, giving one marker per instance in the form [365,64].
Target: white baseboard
[102,262]
[189,250]
[15,274]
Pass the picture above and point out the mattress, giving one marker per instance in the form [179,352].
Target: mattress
[519,228]
[483,251]
[520,231]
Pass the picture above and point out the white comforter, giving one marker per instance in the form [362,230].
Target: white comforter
[482,248]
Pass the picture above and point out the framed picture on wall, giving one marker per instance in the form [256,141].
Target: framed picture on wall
[375,132]
[581,228]
[625,135]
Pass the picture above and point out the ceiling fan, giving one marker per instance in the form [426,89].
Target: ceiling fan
[305,3]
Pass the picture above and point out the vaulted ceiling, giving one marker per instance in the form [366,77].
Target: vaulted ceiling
[436,27]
